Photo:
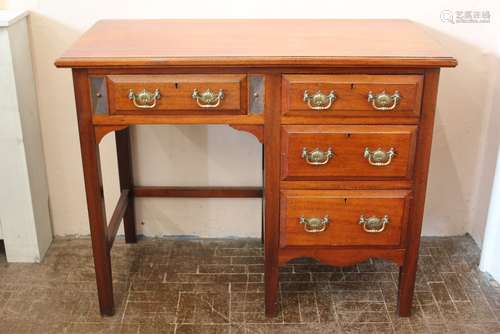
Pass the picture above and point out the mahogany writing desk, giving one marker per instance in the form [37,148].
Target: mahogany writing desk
[344,109]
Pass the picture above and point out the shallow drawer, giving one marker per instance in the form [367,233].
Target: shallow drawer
[177,94]
[343,218]
[355,151]
[352,95]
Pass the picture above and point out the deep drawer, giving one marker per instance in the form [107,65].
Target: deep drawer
[343,218]
[355,151]
[186,94]
[352,95]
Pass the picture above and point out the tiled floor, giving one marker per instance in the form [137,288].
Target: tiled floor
[215,286]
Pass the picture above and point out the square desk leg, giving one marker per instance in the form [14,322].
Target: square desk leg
[408,271]
[126,181]
[272,117]
[94,191]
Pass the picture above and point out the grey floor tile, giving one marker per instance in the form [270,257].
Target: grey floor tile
[216,286]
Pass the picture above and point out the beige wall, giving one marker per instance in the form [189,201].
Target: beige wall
[222,156]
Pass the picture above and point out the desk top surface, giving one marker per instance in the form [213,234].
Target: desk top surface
[149,43]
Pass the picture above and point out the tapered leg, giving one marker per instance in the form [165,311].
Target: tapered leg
[407,274]
[126,181]
[263,201]
[271,191]
[408,271]
[94,192]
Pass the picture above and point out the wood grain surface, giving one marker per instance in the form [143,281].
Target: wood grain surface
[347,142]
[254,43]
[351,94]
[343,209]
[176,93]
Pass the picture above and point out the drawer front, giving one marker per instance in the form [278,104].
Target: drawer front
[224,94]
[355,151]
[352,95]
[343,218]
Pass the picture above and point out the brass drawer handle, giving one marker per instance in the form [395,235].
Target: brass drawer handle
[379,157]
[208,99]
[316,156]
[314,224]
[374,224]
[319,101]
[144,99]
[383,101]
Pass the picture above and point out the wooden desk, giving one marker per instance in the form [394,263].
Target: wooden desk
[344,108]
